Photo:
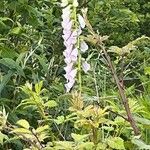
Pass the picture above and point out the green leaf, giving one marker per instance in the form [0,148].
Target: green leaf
[23,123]
[140,144]
[64,145]
[2,137]
[86,146]
[101,146]
[143,121]
[38,87]
[10,63]
[147,70]
[6,52]
[78,137]
[42,128]
[60,119]
[21,131]
[16,30]
[5,80]
[50,104]
[116,143]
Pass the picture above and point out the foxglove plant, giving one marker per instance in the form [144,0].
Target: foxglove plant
[72,29]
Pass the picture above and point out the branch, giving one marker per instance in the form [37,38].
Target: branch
[121,92]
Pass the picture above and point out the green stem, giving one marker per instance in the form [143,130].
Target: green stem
[79,54]
[79,69]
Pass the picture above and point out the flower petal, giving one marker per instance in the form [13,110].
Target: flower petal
[85,66]
[84,47]
[68,68]
[69,85]
[71,75]
[75,3]
[81,21]
[74,54]
[64,3]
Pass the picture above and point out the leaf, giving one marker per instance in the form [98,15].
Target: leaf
[2,137]
[78,137]
[116,143]
[140,144]
[147,70]
[143,121]
[6,52]
[23,123]
[86,146]
[5,80]
[63,145]
[21,131]
[50,104]
[38,87]
[42,128]
[42,62]
[107,128]
[60,119]
[16,30]
[10,63]
[101,146]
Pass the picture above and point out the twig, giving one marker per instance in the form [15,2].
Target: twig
[34,134]
[121,92]
[117,114]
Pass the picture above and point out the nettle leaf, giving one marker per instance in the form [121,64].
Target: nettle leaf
[21,131]
[23,123]
[116,143]
[16,30]
[60,119]
[78,137]
[50,104]
[101,146]
[63,145]
[86,146]
[42,128]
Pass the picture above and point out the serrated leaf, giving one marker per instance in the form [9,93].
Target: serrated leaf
[16,30]
[50,104]
[23,123]
[42,128]
[21,131]
[116,143]
[60,119]
[86,146]
[78,137]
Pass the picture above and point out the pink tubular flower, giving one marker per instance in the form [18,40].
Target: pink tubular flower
[71,39]
[71,53]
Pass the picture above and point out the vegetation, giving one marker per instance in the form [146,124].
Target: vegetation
[100,101]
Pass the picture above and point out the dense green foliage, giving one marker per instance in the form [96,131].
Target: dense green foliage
[35,111]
